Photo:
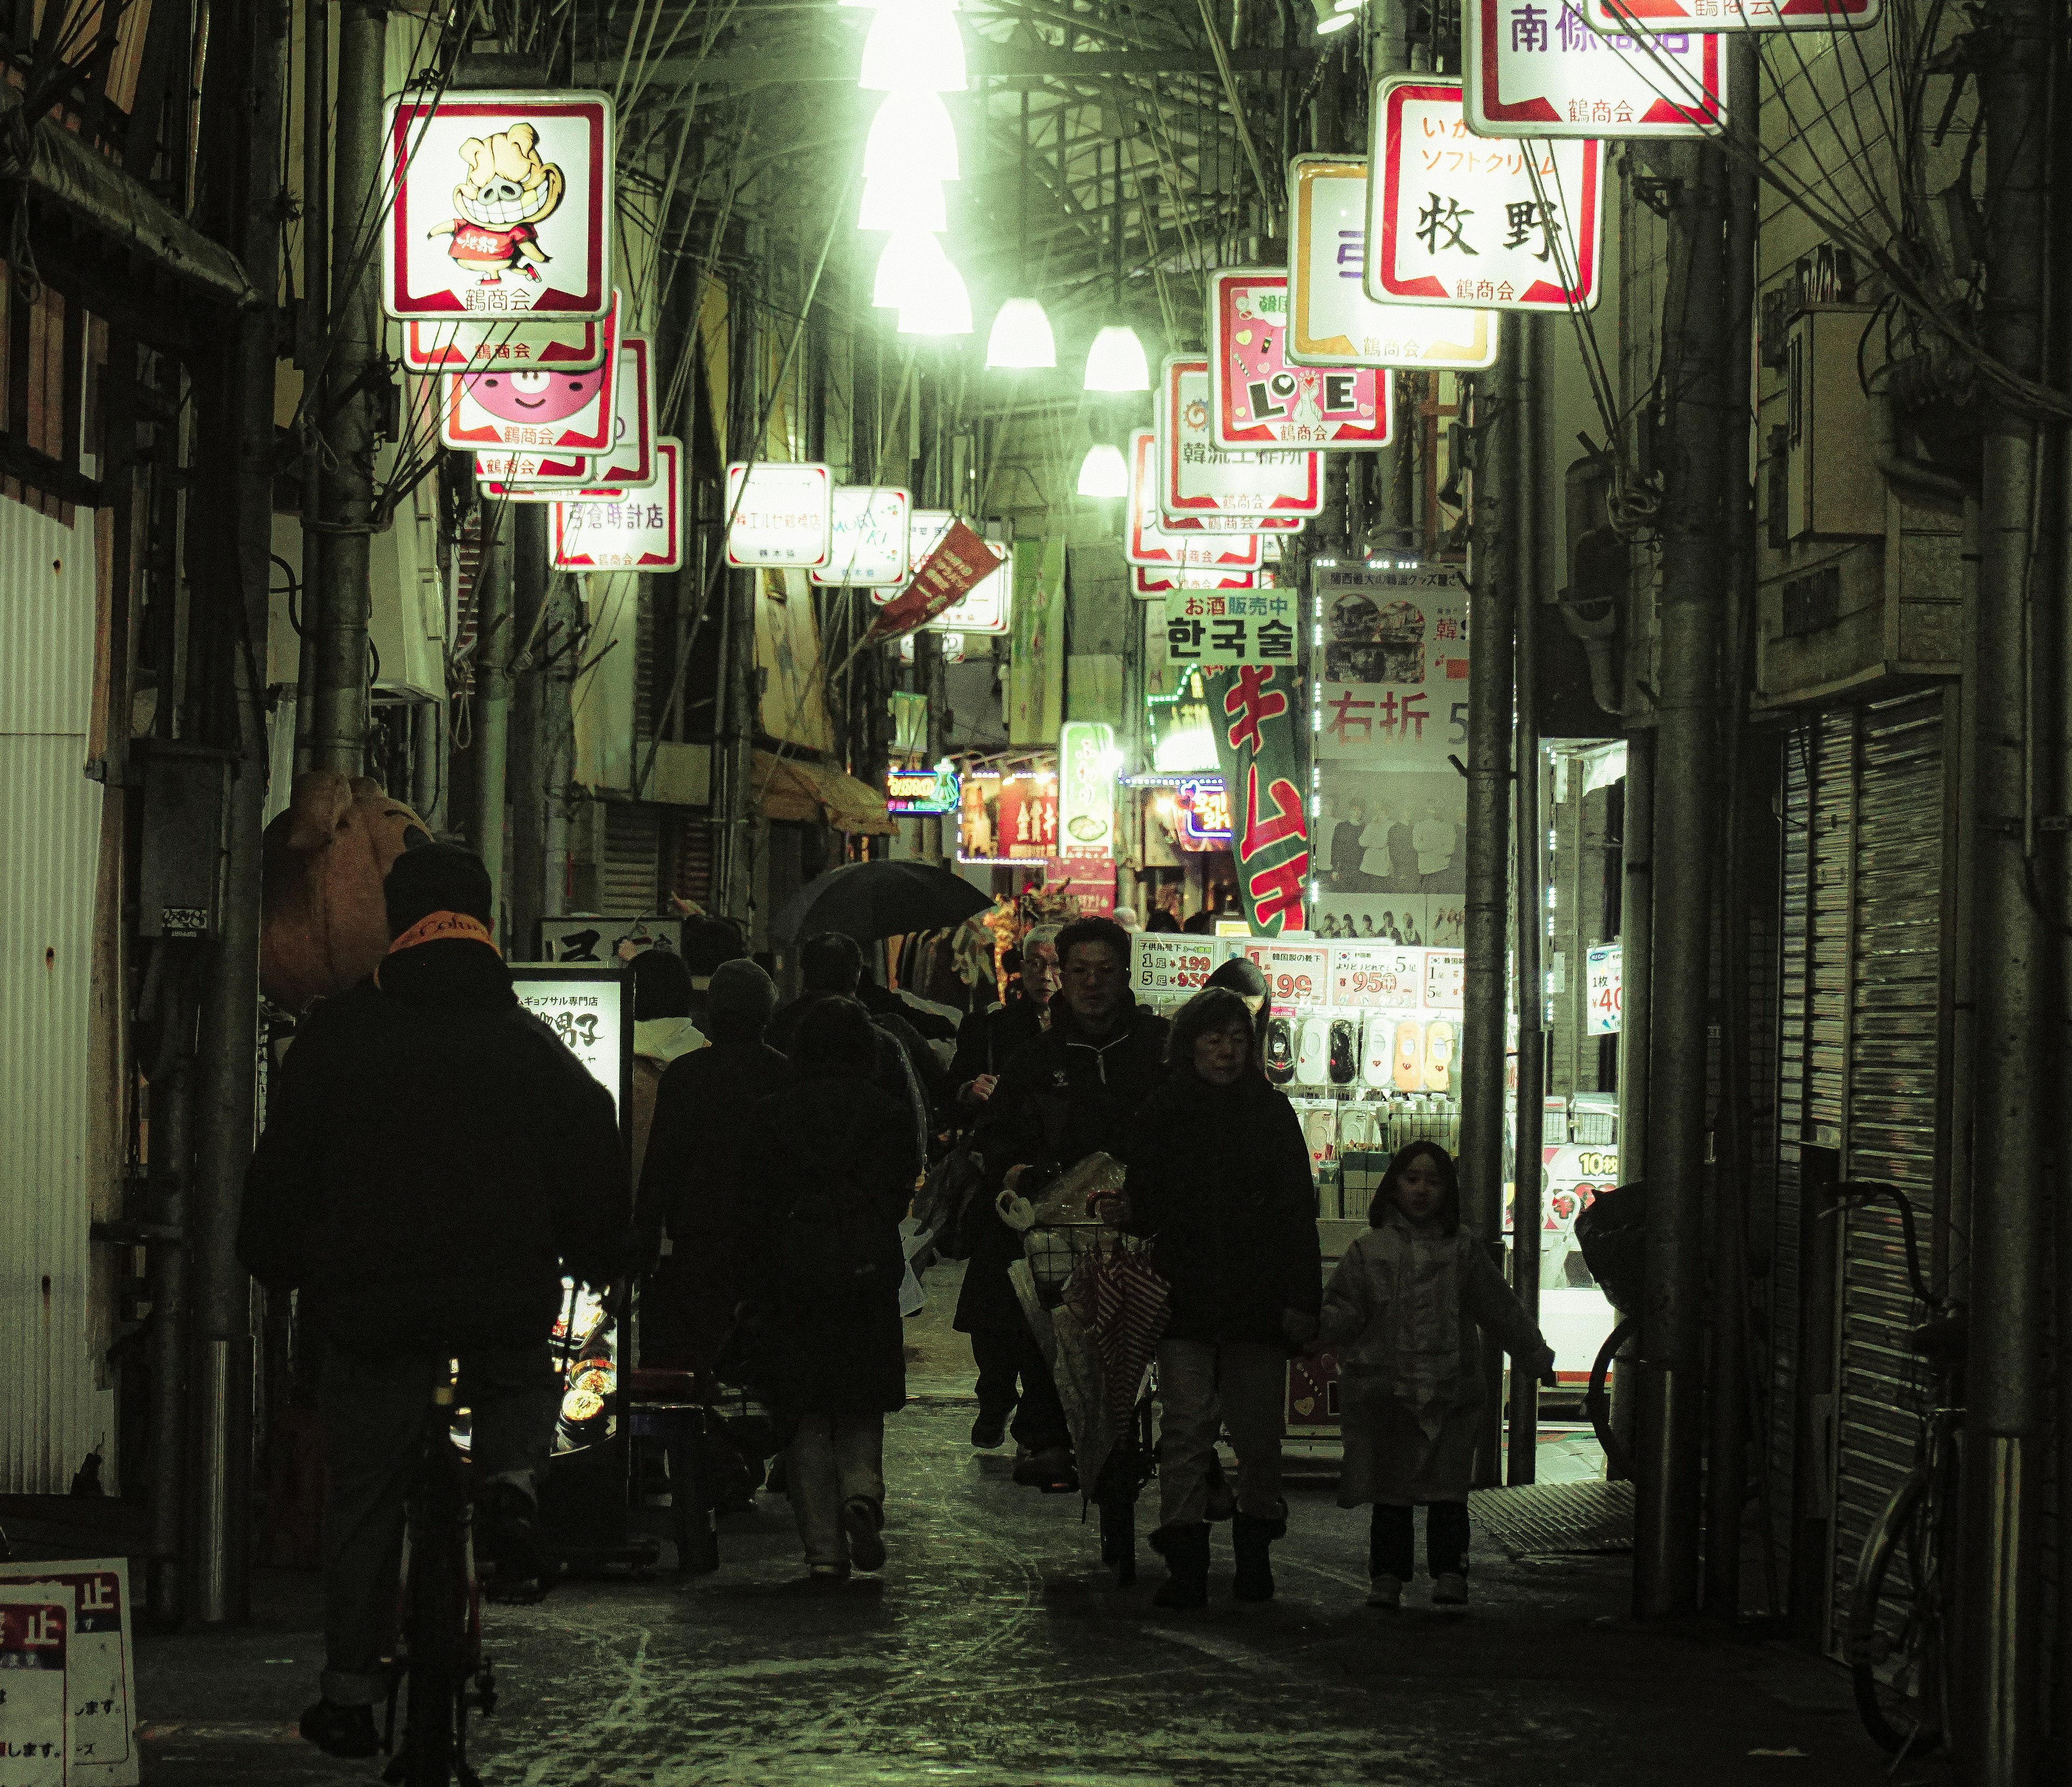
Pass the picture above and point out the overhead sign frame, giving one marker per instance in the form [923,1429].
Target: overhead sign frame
[1551,74]
[1732,15]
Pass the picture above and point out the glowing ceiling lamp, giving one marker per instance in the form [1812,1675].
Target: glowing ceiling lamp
[1117,361]
[911,260]
[914,46]
[1330,17]
[943,308]
[911,139]
[1021,336]
[1103,473]
[903,204]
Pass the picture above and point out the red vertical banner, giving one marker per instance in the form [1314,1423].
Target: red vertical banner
[1261,720]
[951,572]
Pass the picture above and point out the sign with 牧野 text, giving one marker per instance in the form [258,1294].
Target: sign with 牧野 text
[638,530]
[1208,626]
[1331,321]
[1260,398]
[1604,991]
[100,1665]
[780,514]
[1182,545]
[1261,724]
[1535,69]
[1734,15]
[1454,218]
[502,206]
[870,525]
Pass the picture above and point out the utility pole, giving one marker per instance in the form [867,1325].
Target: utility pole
[338,723]
[312,344]
[491,709]
[2000,1631]
[733,737]
[1695,351]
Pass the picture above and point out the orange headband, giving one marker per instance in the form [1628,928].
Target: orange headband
[436,927]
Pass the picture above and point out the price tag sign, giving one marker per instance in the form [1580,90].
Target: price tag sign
[101,1670]
[1298,975]
[35,1723]
[1602,994]
[1377,977]
[1446,980]
[1163,965]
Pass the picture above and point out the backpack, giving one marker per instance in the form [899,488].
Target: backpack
[836,1249]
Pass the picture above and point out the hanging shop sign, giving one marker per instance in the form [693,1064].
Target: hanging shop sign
[35,1629]
[1732,15]
[1234,627]
[921,790]
[1084,885]
[1457,219]
[780,514]
[628,464]
[1331,321]
[1183,546]
[466,344]
[1535,69]
[1205,811]
[533,477]
[871,525]
[951,572]
[1149,582]
[1261,732]
[598,940]
[100,1665]
[642,532]
[561,411]
[1258,399]
[1199,478]
[591,1009]
[501,206]
[989,606]
[1603,993]
[1169,969]
[1393,681]
[1008,819]
[1086,760]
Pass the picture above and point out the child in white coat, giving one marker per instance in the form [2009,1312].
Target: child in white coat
[1403,1308]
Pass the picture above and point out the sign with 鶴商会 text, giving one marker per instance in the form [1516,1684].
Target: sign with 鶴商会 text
[1149,582]
[1734,15]
[1183,544]
[870,527]
[557,409]
[779,514]
[1454,218]
[1535,69]
[638,530]
[1331,321]
[1199,479]
[473,344]
[1234,627]
[1258,398]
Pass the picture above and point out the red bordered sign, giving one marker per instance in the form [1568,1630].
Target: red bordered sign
[1732,15]
[1535,68]
[1198,478]
[557,410]
[1260,399]
[1186,546]
[467,345]
[642,532]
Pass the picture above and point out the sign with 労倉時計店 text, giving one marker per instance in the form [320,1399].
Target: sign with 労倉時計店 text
[555,409]
[1535,69]
[1734,15]
[779,514]
[1258,398]
[1236,626]
[1454,218]
[640,530]
[871,524]
[1331,321]
[1199,480]
[1183,544]
[474,344]
[502,206]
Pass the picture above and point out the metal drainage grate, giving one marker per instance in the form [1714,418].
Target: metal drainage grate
[1537,1519]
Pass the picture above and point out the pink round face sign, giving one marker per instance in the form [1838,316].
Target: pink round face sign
[534,396]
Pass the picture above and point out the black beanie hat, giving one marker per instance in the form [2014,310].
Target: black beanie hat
[437,877]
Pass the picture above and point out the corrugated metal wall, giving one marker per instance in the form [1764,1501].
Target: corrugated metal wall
[50,1414]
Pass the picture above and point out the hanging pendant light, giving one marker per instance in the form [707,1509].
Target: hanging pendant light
[1330,17]
[1020,338]
[903,204]
[910,260]
[914,46]
[943,307]
[911,138]
[1102,473]
[1117,361]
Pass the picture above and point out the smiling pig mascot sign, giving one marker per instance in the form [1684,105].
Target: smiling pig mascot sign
[507,192]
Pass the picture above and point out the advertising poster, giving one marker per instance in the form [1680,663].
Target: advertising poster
[1258,715]
[591,1011]
[1008,819]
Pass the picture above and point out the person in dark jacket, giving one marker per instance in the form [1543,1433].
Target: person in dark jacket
[831,966]
[1072,1091]
[708,943]
[1245,978]
[434,1161]
[1220,1177]
[986,1040]
[829,1164]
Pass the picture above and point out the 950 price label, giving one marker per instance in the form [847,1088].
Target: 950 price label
[1377,977]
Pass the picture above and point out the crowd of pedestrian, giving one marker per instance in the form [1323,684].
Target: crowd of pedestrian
[434,1158]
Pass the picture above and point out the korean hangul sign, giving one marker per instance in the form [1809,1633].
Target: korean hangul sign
[471,344]
[1298,975]
[1183,546]
[557,409]
[100,1665]
[1258,399]
[1394,687]
[35,1713]
[1197,478]
[1732,15]
[949,573]
[1165,967]
[642,532]
[1331,321]
[501,206]
[1454,218]
[1535,69]
[870,532]
[1377,977]
[1237,626]
[780,514]
[1603,996]
[1261,727]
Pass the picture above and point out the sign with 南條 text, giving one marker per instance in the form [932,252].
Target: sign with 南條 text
[1535,69]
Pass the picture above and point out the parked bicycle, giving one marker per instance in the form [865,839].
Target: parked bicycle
[1902,1672]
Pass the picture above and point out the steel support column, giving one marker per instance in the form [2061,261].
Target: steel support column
[528,751]
[490,711]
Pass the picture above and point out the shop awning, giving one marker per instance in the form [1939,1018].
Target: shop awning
[795,789]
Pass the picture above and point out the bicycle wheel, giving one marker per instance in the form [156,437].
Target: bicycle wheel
[1895,1665]
[435,1671]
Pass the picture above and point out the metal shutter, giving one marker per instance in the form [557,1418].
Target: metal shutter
[632,859]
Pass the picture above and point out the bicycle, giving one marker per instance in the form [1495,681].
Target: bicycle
[439,1659]
[1902,1678]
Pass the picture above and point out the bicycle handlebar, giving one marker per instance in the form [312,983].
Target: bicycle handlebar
[1861,1192]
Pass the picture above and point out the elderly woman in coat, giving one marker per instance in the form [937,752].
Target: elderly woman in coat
[1404,1308]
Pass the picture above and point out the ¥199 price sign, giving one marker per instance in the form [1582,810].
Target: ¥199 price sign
[1296,974]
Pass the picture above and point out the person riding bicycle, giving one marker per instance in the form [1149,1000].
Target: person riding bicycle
[435,1159]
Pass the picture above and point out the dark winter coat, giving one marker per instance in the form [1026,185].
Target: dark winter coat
[433,1157]
[986,1040]
[923,1076]
[688,1189]
[1061,1097]
[811,1360]
[1219,1176]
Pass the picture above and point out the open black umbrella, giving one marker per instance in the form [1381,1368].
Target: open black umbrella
[869,900]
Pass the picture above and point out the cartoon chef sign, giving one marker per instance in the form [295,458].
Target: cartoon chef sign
[500,207]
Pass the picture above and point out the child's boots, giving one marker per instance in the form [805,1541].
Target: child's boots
[1186,1550]
[1252,1538]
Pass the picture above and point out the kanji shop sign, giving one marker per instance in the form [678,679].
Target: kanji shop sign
[501,206]
[629,462]
[870,533]
[100,1669]
[1207,626]
[1086,759]
[523,476]
[1392,690]
[1182,545]
[643,532]
[1258,399]
[1197,478]
[1535,69]
[950,572]
[556,410]
[469,344]
[1255,712]
[35,1732]
[1732,15]
[1331,321]
[1156,583]
[1457,219]
[780,514]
